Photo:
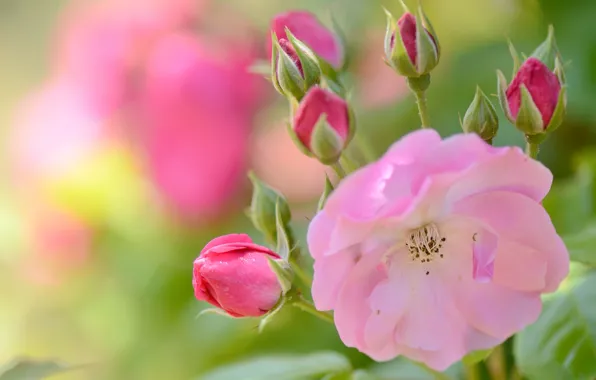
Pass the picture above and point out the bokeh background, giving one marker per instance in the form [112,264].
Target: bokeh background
[127,129]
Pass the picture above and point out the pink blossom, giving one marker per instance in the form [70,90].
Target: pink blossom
[101,45]
[543,85]
[439,248]
[233,274]
[305,27]
[195,125]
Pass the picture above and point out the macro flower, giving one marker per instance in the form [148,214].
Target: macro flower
[195,126]
[543,86]
[322,125]
[410,52]
[305,27]
[233,274]
[440,248]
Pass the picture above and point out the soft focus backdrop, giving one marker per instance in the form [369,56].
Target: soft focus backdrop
[127,129]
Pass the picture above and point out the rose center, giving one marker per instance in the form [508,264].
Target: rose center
[424,244]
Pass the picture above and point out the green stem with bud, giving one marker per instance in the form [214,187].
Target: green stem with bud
[339,170]
[532,149]
[419,86]
[308,307]
[299,272]
[422,109]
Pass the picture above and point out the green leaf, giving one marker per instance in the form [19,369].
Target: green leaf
[476,356]
[402,368]
[27,369]
[562,343]
[283,367]
[582,245]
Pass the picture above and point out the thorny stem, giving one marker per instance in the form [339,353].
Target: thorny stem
[339,170]
[300,273]
[422,108]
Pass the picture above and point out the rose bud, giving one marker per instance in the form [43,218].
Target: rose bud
[233,274]
[322,125]
[481,117]
[262,212]
[306,28]
[535,99]
[294,66]
[411,44]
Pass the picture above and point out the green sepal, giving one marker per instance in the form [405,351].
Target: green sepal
[559,112]
[273,65]
[266,203]
[560,71]
[283,272]
[529,118]
[284,241]
[481,117]
[502,93]
[325,143]
[308,59]
[404,6]
[215,311]
[303,148]
[289,77]
[326,192]
[267,318]
[430,29]
[427,54]
[515,56]
[548,52]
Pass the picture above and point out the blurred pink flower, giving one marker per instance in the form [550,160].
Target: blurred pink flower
[437,249]
[306,27]
[100,45]
[53,131]
[233,274]
[197,109]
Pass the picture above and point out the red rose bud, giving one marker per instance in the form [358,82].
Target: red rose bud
[322,125]
[294,66]
[233,274]
[411,45]
[535,99]
[306,28]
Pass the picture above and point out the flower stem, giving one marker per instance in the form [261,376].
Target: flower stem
[422,108]
[304,305]
[532,149]
[339,170]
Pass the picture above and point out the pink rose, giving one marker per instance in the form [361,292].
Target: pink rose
[195,126]
[320,104]
[440,248]
[305,27]
[233,274]
[101,45]
[543,85]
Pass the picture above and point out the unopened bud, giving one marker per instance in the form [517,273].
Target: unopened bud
[262,209]
[411,45]
[481,117]
[322,125]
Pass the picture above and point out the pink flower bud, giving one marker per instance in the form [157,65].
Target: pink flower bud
[233,274]
[542,84]
[407,31]
[291,52]
[305,27]
[322,105]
